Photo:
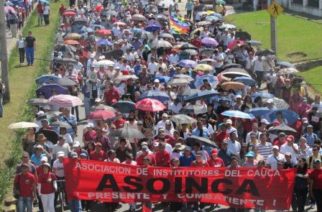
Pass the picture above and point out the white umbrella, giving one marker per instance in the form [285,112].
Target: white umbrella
[126,77]
[178,81]
[23,125]
[104,63]
[183,119]
[138,17]
[162,43]
[63,100]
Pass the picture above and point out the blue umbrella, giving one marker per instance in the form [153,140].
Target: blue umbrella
[50,89]
[263,95]
[210,78]
[212,18]
[163,79]
[206,94]
[124,106]
[159,95]
[237,114]
[288,115]
[246,80]
[259,111]
[153,27]
[44,1]
[187,63]
[104,42]
[47,79]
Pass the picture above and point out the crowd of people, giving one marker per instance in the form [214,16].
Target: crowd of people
[155,97]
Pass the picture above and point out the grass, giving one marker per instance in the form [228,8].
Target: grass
[294,34]
[22,87]
[312,77]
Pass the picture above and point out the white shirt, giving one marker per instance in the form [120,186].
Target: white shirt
[175,108]
[46,10]
[64,148]
[286,148]
[273,160]
[233,148]
[59,168]
[21,43]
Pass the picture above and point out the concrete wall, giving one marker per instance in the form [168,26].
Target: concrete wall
[302,8]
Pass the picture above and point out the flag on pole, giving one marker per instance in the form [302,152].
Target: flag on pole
[177,24]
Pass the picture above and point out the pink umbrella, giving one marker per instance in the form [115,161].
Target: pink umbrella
[9,8]
[63,100]
[150,105]
[101,115]
[209,41]
[233,44]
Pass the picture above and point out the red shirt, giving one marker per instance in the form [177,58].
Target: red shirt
[198,164]
[119,123]
[278,142]
[97,155]
[316,176]
[26,183]
[220,137]
[162,158]
[139,159]
[217,162]
[111,94]
[46,183]
[90,135]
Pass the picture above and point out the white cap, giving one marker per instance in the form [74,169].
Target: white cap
[238,96]
[276,147]
[76,144]
[44,159]
[264,121]
[229,121]
[60,154]
[40,113]
[156,81]
[90,125]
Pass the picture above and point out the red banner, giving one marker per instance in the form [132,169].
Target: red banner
[244,187]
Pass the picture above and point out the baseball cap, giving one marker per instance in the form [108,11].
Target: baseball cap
[83,154]
[76,144]
[264,121]
[60,154]
[214,152]
[46,164]
[44,159]
[290,138]
[156,81]
[250,154]
[288,154]
[317,161]
[73,155]
[276,147]
[229,121]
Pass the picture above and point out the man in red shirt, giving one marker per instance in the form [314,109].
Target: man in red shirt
[119,122]
[162,157]
[280,140]
[97,153]
[146,153]
[25,187]
[214,160]
[220,135]
[111,94]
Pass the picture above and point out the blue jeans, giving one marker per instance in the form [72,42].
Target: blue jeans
[75,205]
[1,105]
[30,55]
[25,204]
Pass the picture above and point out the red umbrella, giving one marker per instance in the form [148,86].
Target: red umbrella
[233,44]
[101,115]
[99,8]
[150,105]
[69,13]
[103,32]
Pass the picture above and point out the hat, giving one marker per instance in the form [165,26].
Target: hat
[90,125]
[83,154]
[214,152]
[145,148]
[290,138]
[282,134]
[288,154]
[144,144]
[309,126]
[276,147]
[98,144]
[317,161]
[40,113]
[238,96]
[199,153]
[76,144]
[60,154]
[156,81]
[305,120]
[187,148]
[165,115]
[44,159]
[229,121]
[38,146]
[264,121]
[46,164]
[179,146]
[73,155]
[250,154]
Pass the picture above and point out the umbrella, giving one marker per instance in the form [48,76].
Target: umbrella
[103,32]
[203,67]
[246,80]
[38,101]
[263,95]
[163,44]
[124,106]
[203,23]
[191,52]
[282,128]
[184,46]
[280,104]
[212,18]
[69,13]
[207,60]
[126,77]
[99,8]
[22,125]
[61,124]
[51,89]
[104,42]
[187,63]
[200,29]
[235,72]
[227,26]
[65,60]
[8,9]
[51,135]
[101,115]
[104,63]
[286,71]
[47,79]
[66,82]
[166,36]
[289,115]
[210,78]
[235,43]
[231,65]
[178,81]
[265,52]
[182,119]
[120,23]
[194,109]
[159,95]
[237,114]
[163,79]
[104,107]
[138,17]
[208,41]
[72,36]
[65,101]
[153,27]
[232,86]
[71,42]
[284,64]
[201,95]
[259,111]
[183,76]
[150,105]
[254,42]
[130,132]
[45,1]
[204,141]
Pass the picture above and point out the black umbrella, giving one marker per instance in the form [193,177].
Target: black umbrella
[65,60]
[124,106]
[231,65]
[115,54]
[38,101]
[243,35]
[265,52]
[282,128]
[50,135]
[204,141]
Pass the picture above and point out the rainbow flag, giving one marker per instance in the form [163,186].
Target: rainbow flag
[178,25]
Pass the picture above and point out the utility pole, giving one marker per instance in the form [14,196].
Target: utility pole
[273,30]
[4,52]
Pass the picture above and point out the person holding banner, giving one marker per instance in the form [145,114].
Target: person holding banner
[301,186]
[316,184]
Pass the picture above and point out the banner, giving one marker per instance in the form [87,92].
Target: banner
[244,187]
